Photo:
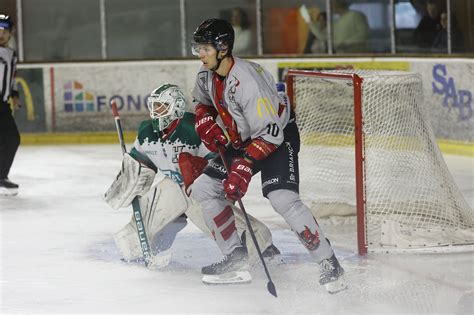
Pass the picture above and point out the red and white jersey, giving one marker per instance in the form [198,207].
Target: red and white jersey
[249,97]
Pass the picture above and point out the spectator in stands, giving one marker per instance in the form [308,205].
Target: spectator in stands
[313,44]
[350,29]
[430,25]
[243,36]
[440,43]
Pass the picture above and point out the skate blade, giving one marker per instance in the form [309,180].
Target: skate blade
[336,286]
[8,191]
[233,277]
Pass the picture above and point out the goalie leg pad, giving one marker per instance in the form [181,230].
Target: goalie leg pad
[127,242]
[163,239]
[261,231]
[194,213]
[162,205]
[161,208]
[134,179]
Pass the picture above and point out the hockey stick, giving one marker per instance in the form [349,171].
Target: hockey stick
[270,285]
[137,214]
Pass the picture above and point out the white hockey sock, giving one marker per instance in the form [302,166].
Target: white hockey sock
[298,216]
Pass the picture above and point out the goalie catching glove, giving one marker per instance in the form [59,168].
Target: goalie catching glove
[134,179]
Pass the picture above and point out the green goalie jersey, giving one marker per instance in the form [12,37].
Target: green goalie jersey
[152,149]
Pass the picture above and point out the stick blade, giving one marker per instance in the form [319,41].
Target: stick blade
[271,288]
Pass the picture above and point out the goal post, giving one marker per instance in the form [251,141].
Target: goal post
[367,149]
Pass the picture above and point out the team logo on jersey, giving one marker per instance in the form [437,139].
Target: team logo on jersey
[233,84]
[176,151]
[203,78]
[267,106]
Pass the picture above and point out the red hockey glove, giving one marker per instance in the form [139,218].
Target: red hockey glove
[207,128]
[235,186]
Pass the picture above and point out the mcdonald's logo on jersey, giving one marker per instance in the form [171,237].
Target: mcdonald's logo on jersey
[267,105]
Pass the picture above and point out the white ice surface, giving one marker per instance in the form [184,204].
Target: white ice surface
[57,254]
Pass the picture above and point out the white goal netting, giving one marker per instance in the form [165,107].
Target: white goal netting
[411,199]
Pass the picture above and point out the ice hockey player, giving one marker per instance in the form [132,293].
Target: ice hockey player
[167,144]
[263,137]
[9,135]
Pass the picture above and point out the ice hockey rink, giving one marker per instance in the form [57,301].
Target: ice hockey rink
[58,255]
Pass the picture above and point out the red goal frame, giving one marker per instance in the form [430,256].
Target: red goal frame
[359,142]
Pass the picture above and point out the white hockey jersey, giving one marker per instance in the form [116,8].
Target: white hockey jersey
[149,147]
[251,99]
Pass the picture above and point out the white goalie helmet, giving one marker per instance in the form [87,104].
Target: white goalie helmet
[166,103]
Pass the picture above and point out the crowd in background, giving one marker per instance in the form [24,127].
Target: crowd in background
[285,27]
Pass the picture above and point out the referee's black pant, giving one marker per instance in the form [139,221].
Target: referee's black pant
[9,139]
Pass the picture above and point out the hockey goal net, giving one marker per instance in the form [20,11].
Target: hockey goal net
[367,149]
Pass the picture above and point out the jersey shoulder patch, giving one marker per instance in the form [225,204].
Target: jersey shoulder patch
[145,131]
[185,131]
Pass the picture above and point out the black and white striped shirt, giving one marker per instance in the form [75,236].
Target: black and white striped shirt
[8,61]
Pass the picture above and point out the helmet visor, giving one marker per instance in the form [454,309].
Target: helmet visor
[201,48]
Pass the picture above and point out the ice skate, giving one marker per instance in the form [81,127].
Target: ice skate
[8,188]
[332,275]
[236,260]
[272,255]
[233,268]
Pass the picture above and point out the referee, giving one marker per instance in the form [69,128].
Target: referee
[9,135]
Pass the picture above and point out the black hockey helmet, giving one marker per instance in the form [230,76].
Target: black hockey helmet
[6,22]
[217,32]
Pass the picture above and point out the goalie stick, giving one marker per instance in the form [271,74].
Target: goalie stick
[137,214]
[270,285]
